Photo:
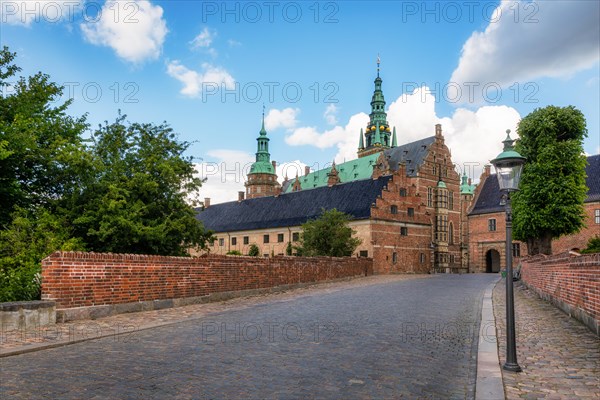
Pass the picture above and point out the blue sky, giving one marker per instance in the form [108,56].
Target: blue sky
[208,67]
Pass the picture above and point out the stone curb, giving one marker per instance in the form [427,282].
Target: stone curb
[489,385]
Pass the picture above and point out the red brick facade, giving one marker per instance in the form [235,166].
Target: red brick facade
[571,283]
[75,279]
[409,244]
[579,240]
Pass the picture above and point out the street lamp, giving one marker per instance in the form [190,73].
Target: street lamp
[508,167]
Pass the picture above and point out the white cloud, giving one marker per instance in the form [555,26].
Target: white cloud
[195,82]
[291,169]
[226,172]
[233,43]
[134,30]
[27,12]
[474,137]
[520,43]
[204,38]
[345,138]
[330,114]
[285,118]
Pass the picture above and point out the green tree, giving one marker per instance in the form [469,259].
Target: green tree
[289,249]
[254,251]
[40,145]
[549,203]
[135,197]
[593,246]
[328,235]
[31,236]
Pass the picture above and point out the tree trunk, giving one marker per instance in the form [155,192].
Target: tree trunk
[541,245]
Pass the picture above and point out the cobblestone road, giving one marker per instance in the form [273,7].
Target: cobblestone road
[560,357]
[405,339]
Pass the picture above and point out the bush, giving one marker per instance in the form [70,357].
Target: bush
[23,245]
[233,253]
[254,251]
[593,246]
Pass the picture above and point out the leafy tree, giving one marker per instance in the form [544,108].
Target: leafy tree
[254,251]
[552,190]
[40,145]
[134,200]
[289,249]
[328,235]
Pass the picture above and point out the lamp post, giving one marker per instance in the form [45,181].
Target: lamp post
[508,167]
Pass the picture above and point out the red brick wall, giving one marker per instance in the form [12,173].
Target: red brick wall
[572,283]
[579,240]
[75,279]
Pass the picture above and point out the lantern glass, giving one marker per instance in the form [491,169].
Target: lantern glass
[509,174]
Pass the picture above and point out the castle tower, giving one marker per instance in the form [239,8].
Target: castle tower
[466,197]
[441,257]
[262,179]
[378,135]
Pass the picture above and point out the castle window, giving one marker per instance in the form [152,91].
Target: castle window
[422,258]
[451,258]
[597,216]
[403,192]
[296,236]
[516,249]
[492,224]
[233,241]
[265,238]
[451,200]
[394,209]
[280,237]
[442,198]
[451,233]
[246,240]
[221,242]
[363,253]
[429,197]
[403,231]
[411,212]
[394,258]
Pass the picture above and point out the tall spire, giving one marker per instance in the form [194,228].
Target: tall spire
[377,139]
[378,135]
[361,143]
[263,157]
[263,132]
[394,141]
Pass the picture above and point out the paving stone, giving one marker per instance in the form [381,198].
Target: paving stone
[381,337]
[559,356]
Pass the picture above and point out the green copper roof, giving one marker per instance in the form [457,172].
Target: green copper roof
[263,157]
[465,188]
[441,184]
[354,170]
[261,167]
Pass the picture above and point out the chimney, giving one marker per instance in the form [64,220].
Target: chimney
[486,171]
[469,181]
[240,196]
[206,202]
[274,164]
[438,129]
[306,170]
